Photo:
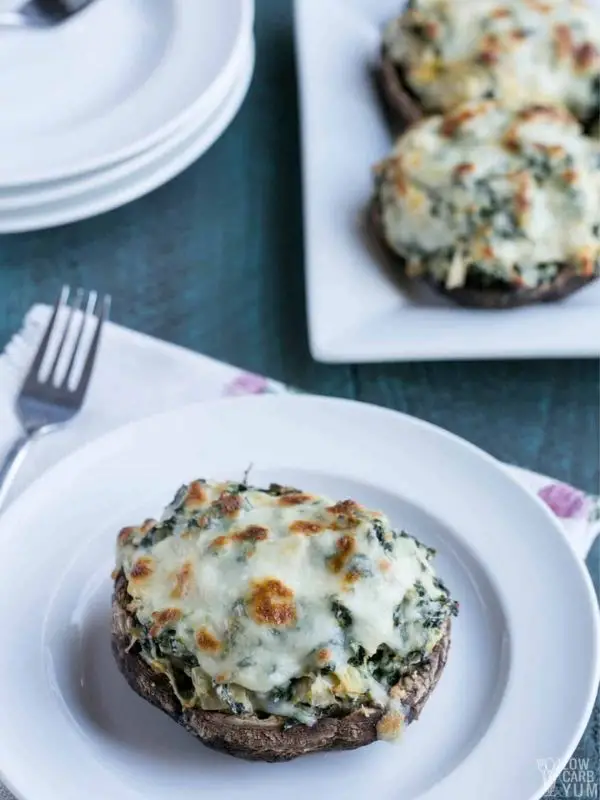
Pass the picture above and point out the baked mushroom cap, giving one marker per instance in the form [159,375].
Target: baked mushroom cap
[268,739]
[499,297]
[439,55]
[273,622]
[492,207]
[396,93]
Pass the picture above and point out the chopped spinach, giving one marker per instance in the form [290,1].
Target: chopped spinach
[436,612]
[379,532]
[359,654]
[360,565]
[276,490]
[398,615]
[282,693]
[170,645]
[180,496]
[341,613]
[159,532]
[224,693]
[414,657]
[385,666]
[239,608]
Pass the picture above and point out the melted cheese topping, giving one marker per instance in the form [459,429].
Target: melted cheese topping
[493,194]
[276,600]
[516,51]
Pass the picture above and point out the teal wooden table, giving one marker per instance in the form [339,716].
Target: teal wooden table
[214,261]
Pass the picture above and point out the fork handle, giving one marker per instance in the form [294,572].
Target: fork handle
[11,463]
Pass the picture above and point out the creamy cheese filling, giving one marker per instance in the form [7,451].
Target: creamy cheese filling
[280,602]
[516,51]
[488,195]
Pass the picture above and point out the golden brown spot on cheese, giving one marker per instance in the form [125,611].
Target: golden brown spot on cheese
[207,641]
[570,176]
[229,504]
[462,170]
[306,526]
[563,42]
[163,619]
[345,547]
[272,603]
[500,13]
[511,141]
[489,57]
[222,677]
[522,195]
[220,541]
[352,576]
[253,533]
[294,499]
[324,656]
[345,512]
[125,534]
[455,121]
[384,565]
[490,49]
[586,56]
[539,5]
[183,580]
[343,523]
[545,112]
[399,177]
[587,261]
[142,569]
[344,507]
[554,151]
[390,725]
[196,495]
[519,35]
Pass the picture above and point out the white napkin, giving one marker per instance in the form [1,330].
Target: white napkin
[137,375]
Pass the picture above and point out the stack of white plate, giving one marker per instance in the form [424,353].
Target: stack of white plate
[115,102]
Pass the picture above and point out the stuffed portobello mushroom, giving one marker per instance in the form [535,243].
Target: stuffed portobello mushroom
[441,53]
[274,623]
[493,207]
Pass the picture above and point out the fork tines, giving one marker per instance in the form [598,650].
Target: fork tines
[66,354]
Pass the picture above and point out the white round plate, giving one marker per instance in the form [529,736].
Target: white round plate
[18,198]
[523,668]
[117,78]
[125,182]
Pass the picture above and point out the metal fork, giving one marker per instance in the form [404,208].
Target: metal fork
[42,13]
[47,401]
